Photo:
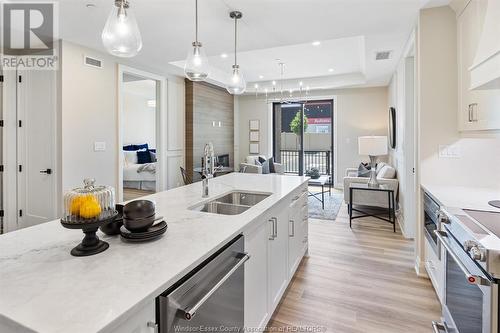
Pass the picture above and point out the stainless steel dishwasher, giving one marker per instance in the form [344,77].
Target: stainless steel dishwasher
[210,298]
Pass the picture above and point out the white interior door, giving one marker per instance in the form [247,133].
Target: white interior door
[36,148]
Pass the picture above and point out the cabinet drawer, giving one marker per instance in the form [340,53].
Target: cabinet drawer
[435,270]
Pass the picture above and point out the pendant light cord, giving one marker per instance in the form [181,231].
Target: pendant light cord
[196,20]
[235,39]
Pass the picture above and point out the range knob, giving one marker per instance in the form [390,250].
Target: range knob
[469,244]
[477,253]
[443,218]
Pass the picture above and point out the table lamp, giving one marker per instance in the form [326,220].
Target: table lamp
[373,146]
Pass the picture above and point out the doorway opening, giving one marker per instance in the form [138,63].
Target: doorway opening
[303,137]
[140,161]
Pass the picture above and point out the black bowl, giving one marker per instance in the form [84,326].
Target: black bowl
[139,224]
[139,209]
[112,228]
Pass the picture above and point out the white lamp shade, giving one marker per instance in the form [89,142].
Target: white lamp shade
[372,145]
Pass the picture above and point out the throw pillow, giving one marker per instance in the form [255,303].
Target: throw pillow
[265,168]
[130,157]
[257,162]
[387,172]
[153,156]
[364,170]
[129,148]
[143,157]
[144,146]
[262,159]
[271,165]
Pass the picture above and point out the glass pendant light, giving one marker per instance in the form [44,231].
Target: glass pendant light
[196,67]
[121,35]
[237,84]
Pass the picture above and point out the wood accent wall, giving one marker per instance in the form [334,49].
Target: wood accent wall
[206,104]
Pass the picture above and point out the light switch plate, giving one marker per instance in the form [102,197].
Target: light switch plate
[100,146]
[449,151]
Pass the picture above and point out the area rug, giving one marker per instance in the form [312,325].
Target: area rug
[332,206]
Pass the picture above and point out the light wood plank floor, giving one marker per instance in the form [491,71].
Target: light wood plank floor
[357,281]
[131,193]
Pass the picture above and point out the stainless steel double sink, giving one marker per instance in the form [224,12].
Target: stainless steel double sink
[233,203]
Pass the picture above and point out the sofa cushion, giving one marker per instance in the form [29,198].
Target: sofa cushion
[364,170]
[380,166]
[387,172]
[265,168]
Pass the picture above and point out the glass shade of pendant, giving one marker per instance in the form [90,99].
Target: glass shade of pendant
[196,67]
[237,84]
[121,36]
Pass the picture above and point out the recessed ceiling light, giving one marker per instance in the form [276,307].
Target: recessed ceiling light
[223,55]
[330,70]
[316,43]
[261,77]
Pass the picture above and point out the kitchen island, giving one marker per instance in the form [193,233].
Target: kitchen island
[45,289]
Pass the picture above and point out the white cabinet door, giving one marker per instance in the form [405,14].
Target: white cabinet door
[256,275]
[297,233]
[477,109]
[278,254]
[141,321]
[435,270]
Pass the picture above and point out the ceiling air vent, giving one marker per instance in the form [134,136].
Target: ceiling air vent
[383,55]
[92,62]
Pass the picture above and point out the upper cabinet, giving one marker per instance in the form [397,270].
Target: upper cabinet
[478,109]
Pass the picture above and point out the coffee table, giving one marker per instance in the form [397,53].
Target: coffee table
[321,181]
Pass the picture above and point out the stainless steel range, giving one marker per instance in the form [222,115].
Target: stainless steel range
[471,252]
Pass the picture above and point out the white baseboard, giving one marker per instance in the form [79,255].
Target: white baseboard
[420,268]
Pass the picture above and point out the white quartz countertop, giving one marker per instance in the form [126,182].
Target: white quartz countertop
[464,197]
[45,289]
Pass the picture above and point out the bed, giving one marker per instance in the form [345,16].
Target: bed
[138,176]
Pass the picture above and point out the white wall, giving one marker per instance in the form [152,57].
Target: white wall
[89,114]
[360,111]
[139,120]
[480,152]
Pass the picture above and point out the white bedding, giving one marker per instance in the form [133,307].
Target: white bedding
[130,173]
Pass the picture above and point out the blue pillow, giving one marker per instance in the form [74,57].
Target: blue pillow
[144,146]
[143,157]
[129,148]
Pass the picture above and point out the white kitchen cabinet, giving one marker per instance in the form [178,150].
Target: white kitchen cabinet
[256,275]
[435,269]
[278,254]
[298,229]
[274,256]
[141,321]
[478,109]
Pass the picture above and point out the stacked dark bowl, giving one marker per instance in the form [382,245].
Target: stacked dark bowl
[139,215]
[138,219]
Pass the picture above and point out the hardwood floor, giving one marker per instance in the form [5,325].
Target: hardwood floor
[131,194]
[360,281]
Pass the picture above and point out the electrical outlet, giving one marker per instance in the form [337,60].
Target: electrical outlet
[100,146]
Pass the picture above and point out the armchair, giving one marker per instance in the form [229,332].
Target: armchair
[370,198]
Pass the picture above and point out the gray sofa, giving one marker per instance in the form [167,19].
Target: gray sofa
[249,166]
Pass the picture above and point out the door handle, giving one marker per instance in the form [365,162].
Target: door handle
[46,171]
[292,223]
[153,325]
[271,236]
[275,224]
[190,312]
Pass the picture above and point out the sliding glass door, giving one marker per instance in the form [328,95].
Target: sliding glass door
[303,136]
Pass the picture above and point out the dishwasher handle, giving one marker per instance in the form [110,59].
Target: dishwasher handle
[190,311]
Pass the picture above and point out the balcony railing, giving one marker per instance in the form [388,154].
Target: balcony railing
[322,160]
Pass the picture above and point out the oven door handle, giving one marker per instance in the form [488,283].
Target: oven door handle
[438,327]
[190,311]
[471,278]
